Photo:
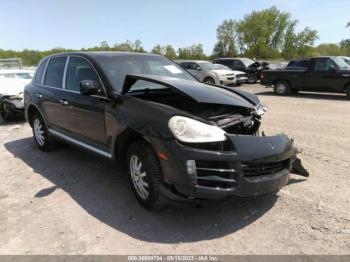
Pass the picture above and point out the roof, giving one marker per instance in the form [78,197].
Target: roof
[94,54]
[191,61]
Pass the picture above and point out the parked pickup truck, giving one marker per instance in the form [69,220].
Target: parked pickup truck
[330,74]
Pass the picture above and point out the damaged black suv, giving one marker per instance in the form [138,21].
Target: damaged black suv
[179,139]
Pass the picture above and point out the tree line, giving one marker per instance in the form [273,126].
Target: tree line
[265,34]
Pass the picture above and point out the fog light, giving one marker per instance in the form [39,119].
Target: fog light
[191,167]
[191,170]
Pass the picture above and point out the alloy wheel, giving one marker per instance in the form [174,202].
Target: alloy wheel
[39,132]
[139,177]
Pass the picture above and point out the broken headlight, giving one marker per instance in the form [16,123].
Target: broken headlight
[192,131]
[261,109]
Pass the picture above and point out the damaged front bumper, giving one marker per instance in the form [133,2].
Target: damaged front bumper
[254,165]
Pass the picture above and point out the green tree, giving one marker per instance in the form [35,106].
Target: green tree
[158,50]
[328,49]
[289,50]
[170,52]
[261,33]
[226,34]
[192,52]
[305,41]
[104,45]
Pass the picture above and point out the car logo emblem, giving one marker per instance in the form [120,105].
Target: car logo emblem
[271,146]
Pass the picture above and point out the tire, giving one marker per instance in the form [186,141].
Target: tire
[143,165]
[3,113]
[252,78]
[41,135]
[348,93]
[282,88]
[209,80]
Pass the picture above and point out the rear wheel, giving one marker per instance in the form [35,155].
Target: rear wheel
[252,78]
[282,88]
[209,80]
[41,134]
[145,174]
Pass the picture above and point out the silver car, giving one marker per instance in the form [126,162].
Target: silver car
[207,72]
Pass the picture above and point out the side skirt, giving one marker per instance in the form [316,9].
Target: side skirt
[80,144]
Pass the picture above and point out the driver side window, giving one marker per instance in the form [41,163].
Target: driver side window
[323,64]
[78,70]
[193,66]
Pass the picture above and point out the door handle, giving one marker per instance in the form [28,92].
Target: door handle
[38,95]
[64,102]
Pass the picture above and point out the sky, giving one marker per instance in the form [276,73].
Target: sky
[46,24]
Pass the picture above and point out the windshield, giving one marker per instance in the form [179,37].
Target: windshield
[247,61]
[341,63]
[207,66]
[116,67]
[346,59]
[219,66]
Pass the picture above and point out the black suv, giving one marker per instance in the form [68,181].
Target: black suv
[179,139]
[252,68]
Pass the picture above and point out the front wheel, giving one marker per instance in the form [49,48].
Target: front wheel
[348,93]
[252,78]
[209,80]
[145,174]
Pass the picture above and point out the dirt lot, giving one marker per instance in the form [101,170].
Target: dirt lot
[72,202]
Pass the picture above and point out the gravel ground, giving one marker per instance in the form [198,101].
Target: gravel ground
[72,202]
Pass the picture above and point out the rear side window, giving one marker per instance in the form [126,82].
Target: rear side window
[54,72]
[40,72]
[304,63]
[78,70]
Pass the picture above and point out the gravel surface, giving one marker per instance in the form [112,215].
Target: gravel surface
[72,202]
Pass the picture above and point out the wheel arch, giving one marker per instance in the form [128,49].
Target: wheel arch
[346,86]
[30,112]
[123,141]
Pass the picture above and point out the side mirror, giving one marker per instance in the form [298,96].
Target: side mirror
[332,68]
[89,87]
[198,68]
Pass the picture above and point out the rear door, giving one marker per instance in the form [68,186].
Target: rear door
[50,91]
[85,115]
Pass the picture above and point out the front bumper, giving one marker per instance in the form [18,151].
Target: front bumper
[242,80]
[255,165]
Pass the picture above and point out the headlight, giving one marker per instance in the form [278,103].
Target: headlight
[20,95]
[261,109]
[192,131]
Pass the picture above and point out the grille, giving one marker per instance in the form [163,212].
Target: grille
[251,170]
[240,75]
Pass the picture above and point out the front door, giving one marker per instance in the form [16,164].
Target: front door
[322,75]
[85,115]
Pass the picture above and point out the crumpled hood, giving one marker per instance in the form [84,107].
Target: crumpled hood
[12,86]
[200,92]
